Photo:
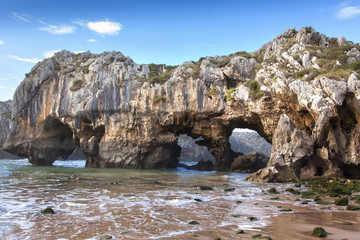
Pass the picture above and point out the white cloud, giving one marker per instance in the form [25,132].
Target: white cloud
[21,17]
[49,54]
[348,12]
[80,22]
[30,60]
[57,30]
[92,40]
[1,42]
[105,27]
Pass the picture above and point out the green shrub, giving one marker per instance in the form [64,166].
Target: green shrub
[260,56]
[333,42]
[337,74]
[195,73]
[57,66]
[213,91]
[355,66]
[229,94]
[157,75]
[85,69]
[308,29]
[78,84]
[311,73]
[255,92]
[159,98]
[241,54]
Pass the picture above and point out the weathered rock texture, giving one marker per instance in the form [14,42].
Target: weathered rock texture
[202,165]
[299,91]
[249,163]
[5,128]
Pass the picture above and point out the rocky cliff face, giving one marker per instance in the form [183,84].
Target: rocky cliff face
[299,91]
[5,128]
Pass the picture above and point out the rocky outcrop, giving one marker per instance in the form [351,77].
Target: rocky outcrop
[200,166]
[5,126]
[123,114]
[77,154]
[249,163]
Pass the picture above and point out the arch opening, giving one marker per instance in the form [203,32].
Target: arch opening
[194,155]
[55,141]
[252,151]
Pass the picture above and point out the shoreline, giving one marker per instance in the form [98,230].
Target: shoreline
[299,223]
[133,204]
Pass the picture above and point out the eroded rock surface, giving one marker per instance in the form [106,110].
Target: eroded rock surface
[249,163]
[5,128]
[202,165]
[300,91]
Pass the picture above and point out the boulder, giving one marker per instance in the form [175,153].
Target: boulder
[341,41]
[202,166]
[249,163]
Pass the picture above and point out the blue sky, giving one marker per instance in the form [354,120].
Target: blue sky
[169,32]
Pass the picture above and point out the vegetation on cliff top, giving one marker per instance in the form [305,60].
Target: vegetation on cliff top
[254,90]
[332,60]
[159,73]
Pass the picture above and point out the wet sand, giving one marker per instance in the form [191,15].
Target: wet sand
[134,204]
[295,225]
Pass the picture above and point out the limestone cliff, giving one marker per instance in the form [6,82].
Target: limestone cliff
[5,128]
[299,91]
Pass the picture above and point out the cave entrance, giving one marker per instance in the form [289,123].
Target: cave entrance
[54,141]
[252,152]
[192,152]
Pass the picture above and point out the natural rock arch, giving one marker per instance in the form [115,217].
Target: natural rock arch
[54,139]
[126,115]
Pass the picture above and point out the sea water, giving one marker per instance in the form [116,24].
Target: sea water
[123,203]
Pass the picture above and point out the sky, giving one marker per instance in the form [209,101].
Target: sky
[161,32]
